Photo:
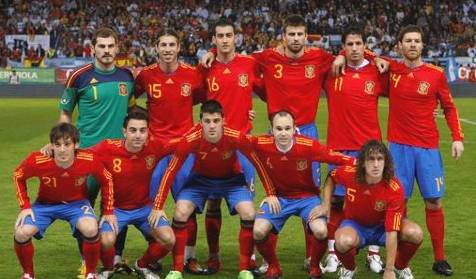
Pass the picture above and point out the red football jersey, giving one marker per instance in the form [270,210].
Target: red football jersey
[131,172]
[217,160]
[291,172]
[414,94]
[352,101]
[370,205]
[170,98]
[232,84]
[294,84]
[59,185]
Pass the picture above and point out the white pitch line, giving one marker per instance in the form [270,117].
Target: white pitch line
[467,121]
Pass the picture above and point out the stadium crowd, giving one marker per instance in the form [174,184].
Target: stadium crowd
[449,25]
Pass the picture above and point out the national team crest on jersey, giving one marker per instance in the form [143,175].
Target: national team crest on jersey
[150,162]
[423,88]
[243,80]
[301,165]
[309,71]
[80,181]
[227,155]
[369,87]
[186,89]
[380,205]
[123,89]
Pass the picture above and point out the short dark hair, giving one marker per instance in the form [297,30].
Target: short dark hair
[64,131]
[223,22]
[105,32]
[168,32]
[372,147]
[295,20]
[211,106]
[280,113]
[409,29]
[353,30]
[137,113]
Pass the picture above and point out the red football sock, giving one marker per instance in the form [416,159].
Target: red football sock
[107,257]
[267,248]
[91,253]
[435,222]
[153,253]
[405,251]
[336,217]
[181,233]
[318,249]
[307,239]
[348,258]
[25,252]
[192,230]
[213,227]
[246,243]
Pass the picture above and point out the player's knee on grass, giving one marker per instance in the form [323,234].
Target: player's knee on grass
[411,232]
[433,204]
[183,210]
[261,229]
[164,236]
[108,239]
[346,238]
[318,228]
[25,233]
[88,227]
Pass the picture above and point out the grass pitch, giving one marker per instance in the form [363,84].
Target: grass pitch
[25,126]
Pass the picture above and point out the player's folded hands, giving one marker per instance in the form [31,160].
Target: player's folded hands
[112,220]
[273,204]
[22,216]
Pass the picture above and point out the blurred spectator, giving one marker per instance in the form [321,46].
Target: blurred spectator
[449,25]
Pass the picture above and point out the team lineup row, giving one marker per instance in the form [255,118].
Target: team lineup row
[160,150]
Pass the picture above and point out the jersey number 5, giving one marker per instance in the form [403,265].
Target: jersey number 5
[350,194]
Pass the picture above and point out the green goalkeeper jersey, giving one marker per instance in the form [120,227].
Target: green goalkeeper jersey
[102,98]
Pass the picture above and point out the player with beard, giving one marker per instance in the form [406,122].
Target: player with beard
[293,79]
[415,90]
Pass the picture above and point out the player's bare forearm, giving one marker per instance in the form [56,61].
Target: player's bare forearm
[65,116]
[329,186]
[391,243]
